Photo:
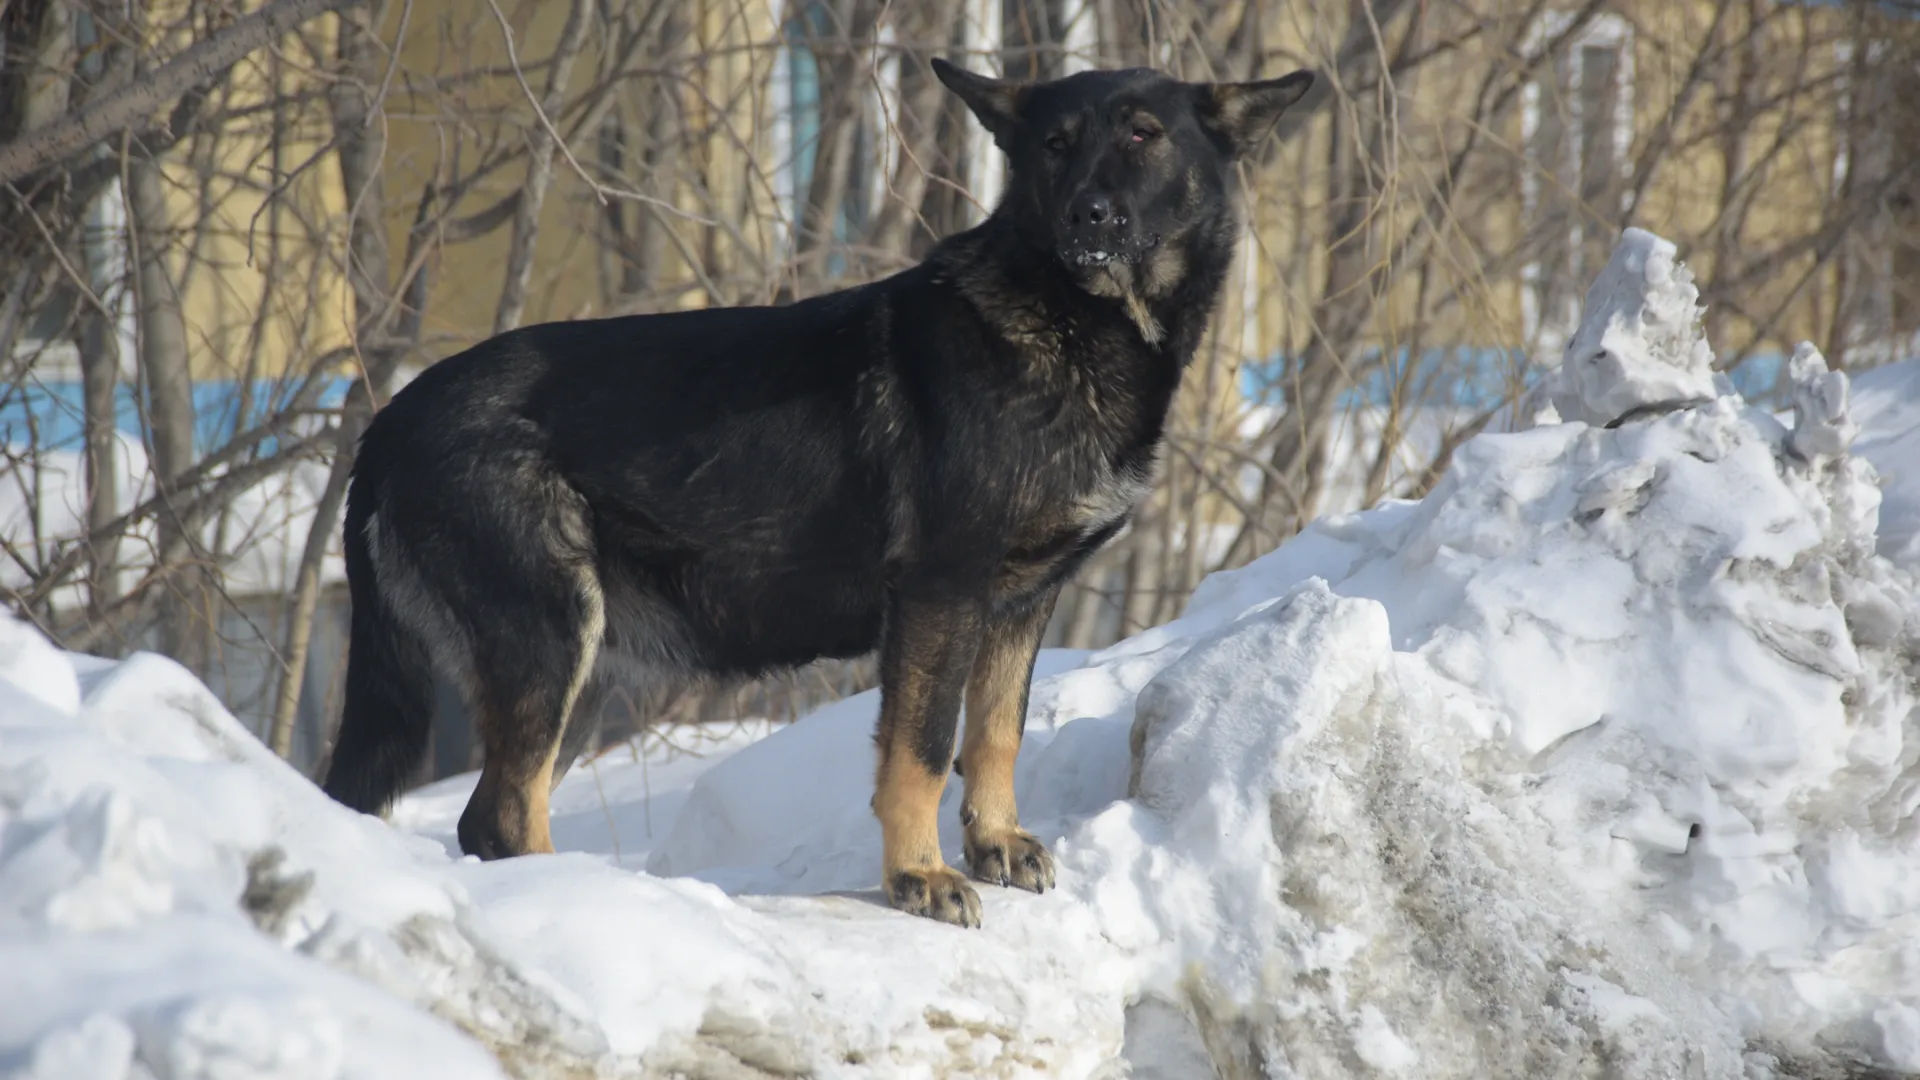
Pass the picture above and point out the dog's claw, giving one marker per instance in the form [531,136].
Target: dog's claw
[1009,857]
[940,894]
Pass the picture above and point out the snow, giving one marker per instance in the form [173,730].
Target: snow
[620,803]
[1886,404]
[1599,760]
[1639,343]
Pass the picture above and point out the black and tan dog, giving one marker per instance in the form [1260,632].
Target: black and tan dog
[913,465]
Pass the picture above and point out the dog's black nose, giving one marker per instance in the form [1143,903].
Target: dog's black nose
[1091,210]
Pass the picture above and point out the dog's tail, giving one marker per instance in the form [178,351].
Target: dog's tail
[389,703]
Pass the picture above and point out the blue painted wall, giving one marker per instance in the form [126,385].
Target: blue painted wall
[56,409]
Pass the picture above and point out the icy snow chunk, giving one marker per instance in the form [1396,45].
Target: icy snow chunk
[1639,344]
[1821,426]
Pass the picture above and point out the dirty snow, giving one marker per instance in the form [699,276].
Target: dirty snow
[1603,759]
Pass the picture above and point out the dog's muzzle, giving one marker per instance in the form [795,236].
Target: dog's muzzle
[1095,231]
[1092,253]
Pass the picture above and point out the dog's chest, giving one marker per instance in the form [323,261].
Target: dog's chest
[1116,427]
[1095,466]
[1115,491]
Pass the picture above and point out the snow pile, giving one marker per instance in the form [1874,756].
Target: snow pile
[1639,344]
[1373,911]
[1605,752]
[176,902]
[140,894]
[1602,760]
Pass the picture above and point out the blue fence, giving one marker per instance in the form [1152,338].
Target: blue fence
[1468,377]
[53,411]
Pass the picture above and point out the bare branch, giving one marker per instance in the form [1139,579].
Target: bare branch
[201,63]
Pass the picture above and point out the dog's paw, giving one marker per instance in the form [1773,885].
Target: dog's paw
[940,894]
[1009,857]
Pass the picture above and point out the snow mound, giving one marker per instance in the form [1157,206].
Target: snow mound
[1601,760]
[176,902]
[1375,911]
[1606,751]
[140,833]
[1639,345]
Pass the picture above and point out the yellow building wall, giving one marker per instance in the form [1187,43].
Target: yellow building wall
[454,95]
[261,288]
[1793,137]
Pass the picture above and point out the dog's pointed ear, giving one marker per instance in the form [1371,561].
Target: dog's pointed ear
[995,101]
[1243,113]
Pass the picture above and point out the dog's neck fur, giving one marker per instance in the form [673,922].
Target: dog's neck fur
[1033,298]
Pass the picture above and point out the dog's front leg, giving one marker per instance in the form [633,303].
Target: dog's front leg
[998,849]
[930,643]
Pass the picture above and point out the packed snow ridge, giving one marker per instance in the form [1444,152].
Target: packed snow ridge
[1601,760]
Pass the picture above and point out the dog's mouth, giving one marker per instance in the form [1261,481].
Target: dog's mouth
[1124,253]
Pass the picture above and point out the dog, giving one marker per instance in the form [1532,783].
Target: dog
[914,465]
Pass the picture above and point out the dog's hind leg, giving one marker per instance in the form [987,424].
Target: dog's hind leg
[528,681]
[533,655]
[928,648]
[583,725]
[998,849]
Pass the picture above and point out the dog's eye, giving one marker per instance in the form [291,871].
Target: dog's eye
[1056,144]
[1141,135]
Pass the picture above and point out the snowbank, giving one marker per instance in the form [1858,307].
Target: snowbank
[173,896]
[1603,759]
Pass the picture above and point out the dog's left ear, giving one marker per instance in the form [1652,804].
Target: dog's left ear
[1243,113]
[995,101]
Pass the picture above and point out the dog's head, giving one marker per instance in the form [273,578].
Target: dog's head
[1116,170]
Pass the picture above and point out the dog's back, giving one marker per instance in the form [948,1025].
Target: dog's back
[690,483]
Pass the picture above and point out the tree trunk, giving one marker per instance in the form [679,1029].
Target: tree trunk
[100,365]
[186,627]
[616,246]
[841,56]
[117,111]
[36,59]
[360,140]
[533,195]
[306,596]
[660,160]
[1143,571]
[922,99]
[1033,39]
[1089,599]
